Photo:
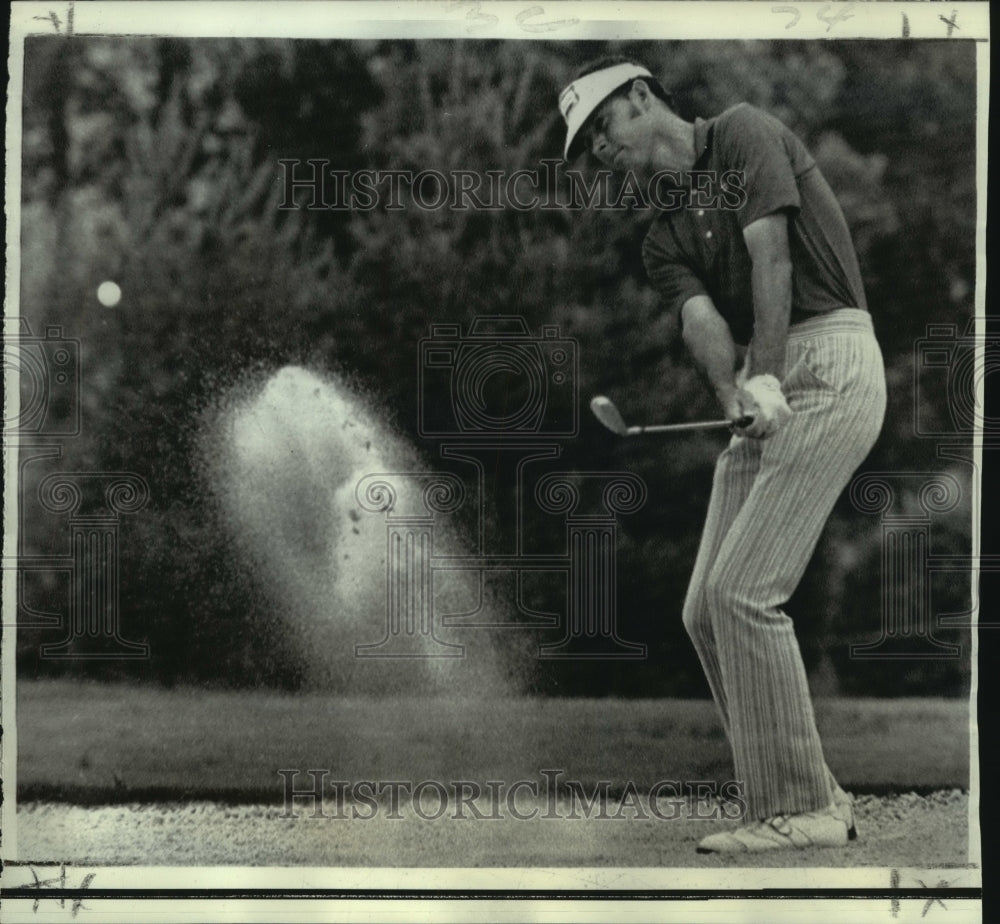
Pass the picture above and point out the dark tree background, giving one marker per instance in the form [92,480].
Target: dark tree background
[154,162]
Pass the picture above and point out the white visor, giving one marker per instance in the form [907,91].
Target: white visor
[579,100]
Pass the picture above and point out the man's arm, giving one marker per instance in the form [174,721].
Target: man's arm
[771,280]
[708,338]
[710,343]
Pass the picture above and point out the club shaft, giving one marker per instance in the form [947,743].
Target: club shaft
[680,427]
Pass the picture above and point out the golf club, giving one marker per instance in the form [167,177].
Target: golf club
[606,412]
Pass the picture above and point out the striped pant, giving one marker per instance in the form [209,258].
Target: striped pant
[770,501]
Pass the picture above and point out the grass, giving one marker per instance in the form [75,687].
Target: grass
[94,742]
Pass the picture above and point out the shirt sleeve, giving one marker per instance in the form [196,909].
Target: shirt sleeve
[753,143]
[672,277]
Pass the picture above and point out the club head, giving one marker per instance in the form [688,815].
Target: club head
[605,411]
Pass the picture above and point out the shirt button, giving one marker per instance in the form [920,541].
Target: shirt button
[701,212]
[708,235]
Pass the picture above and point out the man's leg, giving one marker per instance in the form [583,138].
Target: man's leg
[735,471]
[760,561]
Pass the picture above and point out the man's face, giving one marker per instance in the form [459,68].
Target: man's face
[619,136]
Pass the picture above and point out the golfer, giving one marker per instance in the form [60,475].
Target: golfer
[765,281]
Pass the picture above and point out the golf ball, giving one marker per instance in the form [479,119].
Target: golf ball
[109,294]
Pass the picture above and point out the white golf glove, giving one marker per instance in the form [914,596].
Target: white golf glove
[772,410]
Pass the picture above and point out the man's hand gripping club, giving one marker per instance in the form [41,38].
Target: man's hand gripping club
[761,398]
[711,345]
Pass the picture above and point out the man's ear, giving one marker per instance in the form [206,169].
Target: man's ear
[640,95]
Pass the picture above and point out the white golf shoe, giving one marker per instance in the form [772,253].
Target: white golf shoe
[843,808]
[825,828]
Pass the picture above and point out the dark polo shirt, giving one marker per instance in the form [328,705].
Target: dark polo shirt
[700,251]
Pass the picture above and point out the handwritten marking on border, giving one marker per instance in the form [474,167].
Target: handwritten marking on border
[59,882]
[942,884]
[480,19]
[951,23]
[843,13]
[550,26]
[788,9]
[53,17]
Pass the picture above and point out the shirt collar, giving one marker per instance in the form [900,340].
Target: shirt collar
[702,129]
